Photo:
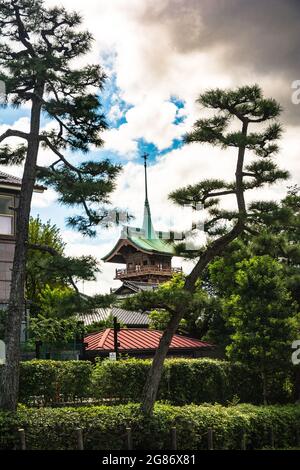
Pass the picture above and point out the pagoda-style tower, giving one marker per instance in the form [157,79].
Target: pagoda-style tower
[145,252]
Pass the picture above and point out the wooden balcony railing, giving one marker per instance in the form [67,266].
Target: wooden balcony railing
[141,270]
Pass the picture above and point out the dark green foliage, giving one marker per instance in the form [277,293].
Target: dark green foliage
[102,325]
[51,276]
[187,381]
[247,106]
[51,381]
[184,381]
[104,428]
[37,53]
[56,332]
[2,322]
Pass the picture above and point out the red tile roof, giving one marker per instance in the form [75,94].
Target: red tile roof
[138,339]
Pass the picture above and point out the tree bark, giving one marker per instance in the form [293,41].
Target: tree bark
[155,373]
[15,311]
[215,249]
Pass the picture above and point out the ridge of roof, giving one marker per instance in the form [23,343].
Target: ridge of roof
[103,337]
[140,339]
[8,179]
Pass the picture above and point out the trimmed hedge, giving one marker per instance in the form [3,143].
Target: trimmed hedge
[187,381]
[184,381]
[105,427]
[52,381]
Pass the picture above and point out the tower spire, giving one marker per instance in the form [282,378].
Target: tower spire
[147,223]
[145,157]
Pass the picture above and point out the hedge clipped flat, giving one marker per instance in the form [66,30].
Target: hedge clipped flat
[184,381]
[104,428]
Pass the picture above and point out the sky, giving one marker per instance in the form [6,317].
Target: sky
[159,56]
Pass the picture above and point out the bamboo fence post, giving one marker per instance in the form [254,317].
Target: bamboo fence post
[173,438]
[79,435]
[22,438]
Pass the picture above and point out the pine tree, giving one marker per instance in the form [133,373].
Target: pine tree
[263,317]
[275,232]
[38,53]
[48,268]
[246,106]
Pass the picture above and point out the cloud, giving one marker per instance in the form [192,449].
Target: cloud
[152,121]
[177,48]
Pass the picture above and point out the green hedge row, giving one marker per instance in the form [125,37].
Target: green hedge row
[52,381]
[188,381]
[104,428]
[184,381]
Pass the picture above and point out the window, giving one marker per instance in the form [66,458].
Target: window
[6,215]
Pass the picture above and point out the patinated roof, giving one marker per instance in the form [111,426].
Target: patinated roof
[155,246]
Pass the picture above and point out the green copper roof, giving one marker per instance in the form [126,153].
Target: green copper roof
[145,238]
[155,245]
[149,246]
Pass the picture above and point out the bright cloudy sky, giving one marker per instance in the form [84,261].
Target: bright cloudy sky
[159,56]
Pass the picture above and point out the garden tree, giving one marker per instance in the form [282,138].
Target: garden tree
[64,302]
[102,325]
[203,308]
[52,276]
[166,298]
[39,53]
[263,317]
[246,106]
[276,234]
[55,331]
[37,273]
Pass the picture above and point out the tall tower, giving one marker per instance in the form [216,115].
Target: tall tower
[145,252]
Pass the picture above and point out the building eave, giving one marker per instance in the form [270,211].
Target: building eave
[129,242]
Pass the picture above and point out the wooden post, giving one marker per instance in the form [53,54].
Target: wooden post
[272,439]
[173,438]
[298,437]
[244,441]
[129,439]
[79,436]
[22,437]
[116,343]
[210,439]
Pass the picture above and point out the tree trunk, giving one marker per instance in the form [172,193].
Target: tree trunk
[215,249]
[10,375]
[155,373]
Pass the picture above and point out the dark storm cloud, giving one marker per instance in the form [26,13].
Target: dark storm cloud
[262,35]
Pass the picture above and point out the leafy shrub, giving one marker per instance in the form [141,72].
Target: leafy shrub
[105,427]
[184,381]
[54,380]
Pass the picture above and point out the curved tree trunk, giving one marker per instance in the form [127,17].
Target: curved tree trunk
[156,369]
[215,249]
[10,375]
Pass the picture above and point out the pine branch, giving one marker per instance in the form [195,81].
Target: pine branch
[14,133]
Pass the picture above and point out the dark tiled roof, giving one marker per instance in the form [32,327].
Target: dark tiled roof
[10,180]
[138,339]
[124,316]
[135,286]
